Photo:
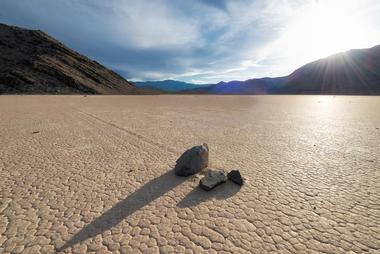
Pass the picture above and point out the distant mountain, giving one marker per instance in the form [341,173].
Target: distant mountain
[32,62]
[251,86]
[352,72]
[168,85]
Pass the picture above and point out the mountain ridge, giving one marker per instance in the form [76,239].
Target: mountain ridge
[167,85]
[33,62]
[356,71]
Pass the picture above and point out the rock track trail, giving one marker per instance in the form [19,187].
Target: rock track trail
[94,174]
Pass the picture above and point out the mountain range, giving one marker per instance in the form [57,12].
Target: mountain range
[168,85]
[32,62]
[353,72]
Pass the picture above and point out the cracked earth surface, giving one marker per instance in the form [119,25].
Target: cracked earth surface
[93,174]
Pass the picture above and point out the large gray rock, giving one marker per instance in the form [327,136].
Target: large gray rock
[192,161]
[212,179]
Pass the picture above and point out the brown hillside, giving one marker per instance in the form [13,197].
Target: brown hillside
[32,62]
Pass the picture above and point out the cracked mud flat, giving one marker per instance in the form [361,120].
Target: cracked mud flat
[92,174]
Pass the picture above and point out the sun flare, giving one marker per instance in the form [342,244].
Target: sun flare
[322,28]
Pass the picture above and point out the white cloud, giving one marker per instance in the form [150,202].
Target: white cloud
[196,40]
[153,24]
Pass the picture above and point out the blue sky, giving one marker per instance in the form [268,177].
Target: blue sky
[202,41]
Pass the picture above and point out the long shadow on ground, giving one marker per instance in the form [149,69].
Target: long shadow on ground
[140,198]
[197,195]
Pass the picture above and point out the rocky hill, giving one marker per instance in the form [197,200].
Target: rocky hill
[32,62]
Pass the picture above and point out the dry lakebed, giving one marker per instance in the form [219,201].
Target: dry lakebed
[94,174]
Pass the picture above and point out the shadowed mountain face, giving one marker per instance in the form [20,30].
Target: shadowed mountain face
[168,85]
[353,72]
[33,62]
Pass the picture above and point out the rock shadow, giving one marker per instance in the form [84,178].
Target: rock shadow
[198,195]
[137,200]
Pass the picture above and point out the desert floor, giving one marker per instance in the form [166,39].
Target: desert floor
[93,174]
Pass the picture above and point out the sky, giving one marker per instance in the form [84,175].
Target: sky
[202,41]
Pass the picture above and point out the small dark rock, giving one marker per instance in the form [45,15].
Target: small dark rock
[234,176]
[192,161]
[212,179]
[35,132]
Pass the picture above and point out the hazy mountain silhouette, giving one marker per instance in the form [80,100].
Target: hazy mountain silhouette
[352,72]
[251,86]
[168,85]
[33,62]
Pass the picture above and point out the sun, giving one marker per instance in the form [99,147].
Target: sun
[325,27]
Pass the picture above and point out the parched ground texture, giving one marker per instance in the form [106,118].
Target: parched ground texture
[94,174]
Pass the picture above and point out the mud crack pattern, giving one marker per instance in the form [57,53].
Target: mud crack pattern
[93,174]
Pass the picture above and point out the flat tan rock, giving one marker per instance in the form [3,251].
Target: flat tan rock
[212,179]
